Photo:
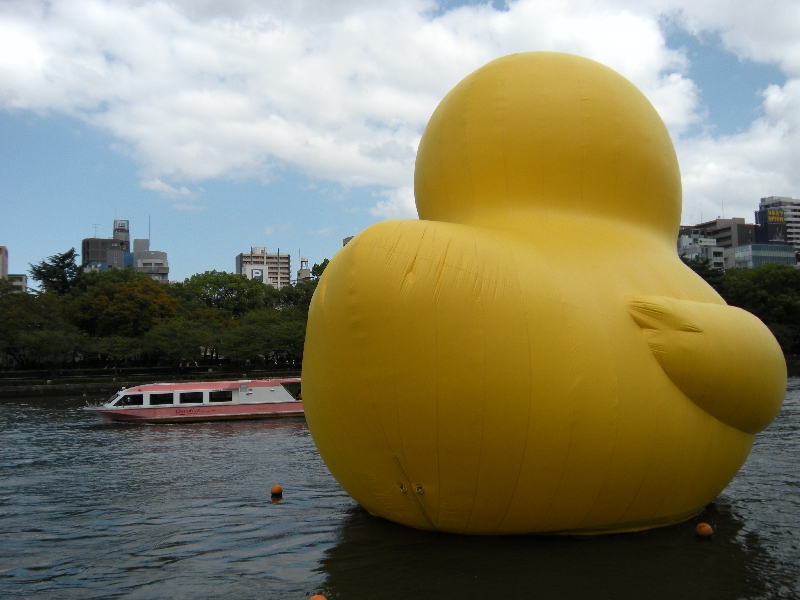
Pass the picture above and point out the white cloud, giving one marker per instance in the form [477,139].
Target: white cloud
[187,206]
[165,189]
[399,204]
[739,169]
[323,231]
[341,91]
[764,31]
[270,229]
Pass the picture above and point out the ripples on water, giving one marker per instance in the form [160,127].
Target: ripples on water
[104,510]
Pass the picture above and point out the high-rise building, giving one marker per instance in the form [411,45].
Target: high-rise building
[728,233]
[770,226]
[102,254]
[152,262]
[94,251]
[3,262]
[696,246]
[17,280]
[791,216]
[755,255]
[272,269]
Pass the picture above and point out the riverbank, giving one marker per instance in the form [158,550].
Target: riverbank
[72,382]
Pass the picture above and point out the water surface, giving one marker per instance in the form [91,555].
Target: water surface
[90,509]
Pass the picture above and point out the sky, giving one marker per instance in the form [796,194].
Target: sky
[216,126]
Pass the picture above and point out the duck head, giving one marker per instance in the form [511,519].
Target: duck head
[548,133]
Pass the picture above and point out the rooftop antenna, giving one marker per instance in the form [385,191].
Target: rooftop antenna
[148,227]
[723,207]
[95,229]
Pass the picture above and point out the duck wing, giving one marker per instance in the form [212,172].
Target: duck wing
[721,357]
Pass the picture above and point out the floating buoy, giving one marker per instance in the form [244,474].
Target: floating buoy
[704,530]
[276,490]
[318,597]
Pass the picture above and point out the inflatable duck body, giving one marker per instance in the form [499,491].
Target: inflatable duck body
[531,356]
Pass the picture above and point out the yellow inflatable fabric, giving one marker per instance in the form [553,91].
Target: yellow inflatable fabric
[532,356]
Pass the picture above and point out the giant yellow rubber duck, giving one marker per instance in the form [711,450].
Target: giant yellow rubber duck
[531,356]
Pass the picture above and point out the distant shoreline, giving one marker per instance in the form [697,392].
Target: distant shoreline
[57,386]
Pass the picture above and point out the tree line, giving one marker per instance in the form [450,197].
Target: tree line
[770,292]
[121,317]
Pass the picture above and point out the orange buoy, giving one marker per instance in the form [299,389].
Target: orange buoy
[276,490]
[704,530]
[318,597]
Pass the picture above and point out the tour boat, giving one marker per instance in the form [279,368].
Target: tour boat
[206,401]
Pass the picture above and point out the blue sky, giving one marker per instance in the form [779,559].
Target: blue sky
[60,177]
[258,125]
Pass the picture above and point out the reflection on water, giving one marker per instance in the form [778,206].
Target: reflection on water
[104,510]
[378,559]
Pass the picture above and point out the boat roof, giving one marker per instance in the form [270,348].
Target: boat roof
[196,386]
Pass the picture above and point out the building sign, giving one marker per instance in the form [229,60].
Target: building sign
[774,215]
[258,274]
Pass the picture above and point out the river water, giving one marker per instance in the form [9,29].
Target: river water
[89,509]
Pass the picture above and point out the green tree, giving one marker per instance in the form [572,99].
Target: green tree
[92,279]
[297,295]
[116,348]
[122,308]
[268,335]
[318,269]
[34,332]
[57,273]
[772,293]
[176,339]
[224,291]
[702,266]
[6,287]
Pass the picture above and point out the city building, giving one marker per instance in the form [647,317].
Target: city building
[3,262]
[791,216]
[272,269]
[94,251]
[743,245]
[770,226]
[347,239]
[696,246]
[304,273]
[755,255]
[104,254]
[18,280]
[728,233]
[152,262]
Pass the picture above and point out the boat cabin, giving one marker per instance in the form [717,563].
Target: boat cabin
[209,393]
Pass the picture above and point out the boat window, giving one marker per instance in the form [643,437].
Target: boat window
[221,396]
[131,400]
[191,397]
[160,399]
